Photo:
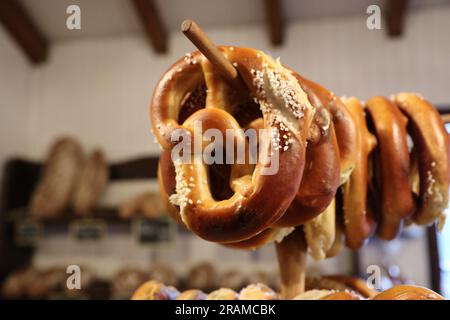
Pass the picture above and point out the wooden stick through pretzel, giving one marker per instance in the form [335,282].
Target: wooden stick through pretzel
[291,252]
[291,255]
[198,37]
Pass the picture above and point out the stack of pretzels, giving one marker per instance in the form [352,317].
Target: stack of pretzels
[346,170]
[355,290]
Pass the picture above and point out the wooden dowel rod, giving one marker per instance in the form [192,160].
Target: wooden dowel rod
[291,255]
[194,33]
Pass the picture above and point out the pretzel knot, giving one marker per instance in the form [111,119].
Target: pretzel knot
[309,143]
[191,95]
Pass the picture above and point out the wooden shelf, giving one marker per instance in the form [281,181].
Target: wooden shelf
[109,215]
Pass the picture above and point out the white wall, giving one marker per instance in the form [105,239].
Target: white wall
[99,90]
[14,95]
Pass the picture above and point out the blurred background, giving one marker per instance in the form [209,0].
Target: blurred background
[93,86]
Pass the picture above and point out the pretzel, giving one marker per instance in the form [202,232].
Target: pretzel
[358,220]
[286,110]
[431,143]
[166,181]
[321,175]
[343,123]
[154,290]
[322,288]
[266,236]
[408,292]
[393,165]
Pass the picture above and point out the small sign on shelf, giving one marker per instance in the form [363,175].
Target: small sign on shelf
[153,231]
[88,229]
[28,232]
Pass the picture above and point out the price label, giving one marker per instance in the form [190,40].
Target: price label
[28,232]
[88,229]
[153,231]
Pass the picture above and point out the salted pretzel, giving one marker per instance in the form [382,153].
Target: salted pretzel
[317,190]
[321,175]
[266,236]
[431,149]
[358,220]
[343,123]
[286,110]
[391,165]
[324,142]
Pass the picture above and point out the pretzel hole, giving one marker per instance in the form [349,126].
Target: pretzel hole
[246,112]
[374,176]
[219,177]
[192,102]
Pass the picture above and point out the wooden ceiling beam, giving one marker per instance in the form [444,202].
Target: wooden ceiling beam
[396,13]
[152,24]
[23,30]
[275,22]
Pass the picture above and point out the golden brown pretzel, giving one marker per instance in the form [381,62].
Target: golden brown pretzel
[266,236]
[154,290]
[344,125]
[431,143]
[287,110]
[393,166]
[166,180]
[321,175]
[358,220]
[318,188]
[408,292]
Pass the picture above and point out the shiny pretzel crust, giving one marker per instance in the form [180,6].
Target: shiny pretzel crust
[284,105]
